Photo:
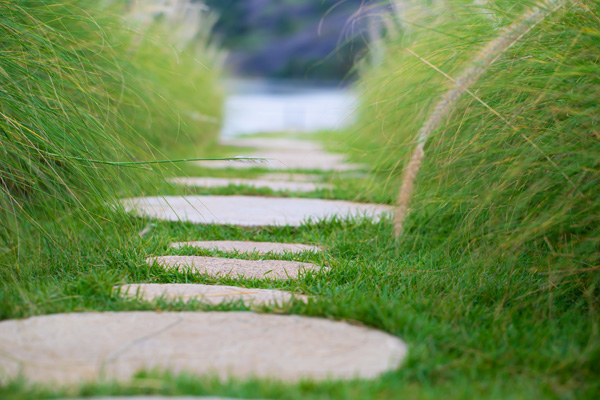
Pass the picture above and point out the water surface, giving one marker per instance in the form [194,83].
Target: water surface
[261,106]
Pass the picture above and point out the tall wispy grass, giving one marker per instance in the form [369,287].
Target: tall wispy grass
[79,87]
[511,181]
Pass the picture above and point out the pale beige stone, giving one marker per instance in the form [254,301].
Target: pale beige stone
[249,210]
[249,247]
[73,348]
[274,144]
[212,294]
[288,160]
[235,268]
[290,176]
[255,183]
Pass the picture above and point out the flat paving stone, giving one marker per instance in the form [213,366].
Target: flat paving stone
[274,144]
[212,294]
[249,210]
[235,268]
[79,347]
[288,160]
[290,176]
[249,247]
[255,183]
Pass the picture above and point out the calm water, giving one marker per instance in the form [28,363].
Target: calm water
[278,106]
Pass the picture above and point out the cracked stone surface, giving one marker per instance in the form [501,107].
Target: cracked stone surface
[288,160]
[235,268]
[249,210]
[256,183]
[212,294]
[73,348]
[249,247]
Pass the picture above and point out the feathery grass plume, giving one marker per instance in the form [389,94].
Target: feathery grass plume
[509,191]
[491,52]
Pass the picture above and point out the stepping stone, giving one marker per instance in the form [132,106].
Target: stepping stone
[256,183]
[235,268]
[83,347]
[250,210]
[212,294]
[288,160]
[290,176]
[249,247]
[274,144]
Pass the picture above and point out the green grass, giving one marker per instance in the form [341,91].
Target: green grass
[462,345]
[521,191]
[469,337]
[493,287]
[78,90]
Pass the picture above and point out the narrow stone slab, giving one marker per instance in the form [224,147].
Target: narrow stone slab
[255,183]
[249,210]
[235,268]
[290,176]
[288,160]
[212,294]
[73,348]
[274,144]
[249,247]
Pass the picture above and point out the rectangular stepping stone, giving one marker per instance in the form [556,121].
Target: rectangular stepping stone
[89,347]
[212,294]
[249,247]
[250,210]
[235,268]
[256,183]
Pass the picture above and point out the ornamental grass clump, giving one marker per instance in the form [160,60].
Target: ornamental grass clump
[509,185]
[79,92]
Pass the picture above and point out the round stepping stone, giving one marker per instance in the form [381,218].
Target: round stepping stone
[78,347]
[290,176]
[212,294]
[249,210]
[274,144]
[249,247]
[235,268]
[255,183]
[288,160]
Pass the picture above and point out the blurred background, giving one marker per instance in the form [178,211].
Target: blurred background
[290,63]
[300,39]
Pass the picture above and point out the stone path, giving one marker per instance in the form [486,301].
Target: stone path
[235,268]
[249,210]
[249,247]
[255,183]
[285,154]
[288,160]
[290,177]
[274,144]
[78,347]
[212,294]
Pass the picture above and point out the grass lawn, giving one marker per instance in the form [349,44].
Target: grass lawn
[472,332]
